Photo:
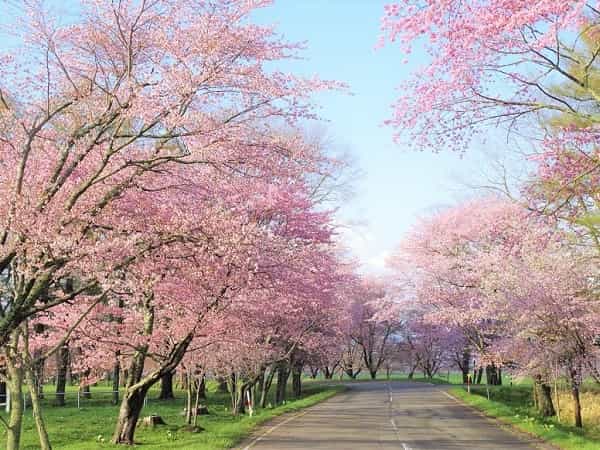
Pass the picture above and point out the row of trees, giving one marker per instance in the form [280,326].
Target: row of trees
[162,207]
[514,275]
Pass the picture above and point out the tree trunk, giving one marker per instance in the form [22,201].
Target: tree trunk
[479,375]
[2,390]
[189,389]
[135,391]
[574,380]
[297,380]
[282,377]
[62,366]
[86,393]
[350,372]
[260,381]
[266,386]
[543,397]
[129,414]
[373,373]
[14,386]
[328,374]
[15,418]
[38,375]
[314,371]
[116,373]
[37,411]
[222,388]
[202,388]
[466,365]
[491,375]
[166,387]
[236,391]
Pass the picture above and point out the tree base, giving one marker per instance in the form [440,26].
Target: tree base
[153,421]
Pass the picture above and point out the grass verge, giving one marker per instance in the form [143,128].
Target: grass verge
[512,405]
[90,427]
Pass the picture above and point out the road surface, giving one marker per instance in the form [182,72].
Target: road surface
[381,416]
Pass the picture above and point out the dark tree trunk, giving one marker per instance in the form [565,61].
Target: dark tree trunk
[328,374]
[282,378]
[574,380]
[576,406]
[297,380]
[411,374]
[2,392]
[351,373]
[166,387]
[314,371]
[116,373]
[466,365]
[258,386]
[491,374]
[373,373]
[202,388]
[222,388]
[543,397]
[479,375]
[62,365]
[86,391]
[499,376]
[38,373]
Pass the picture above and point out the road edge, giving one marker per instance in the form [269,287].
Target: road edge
[271,424]
[531,438]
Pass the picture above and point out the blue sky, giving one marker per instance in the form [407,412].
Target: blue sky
[398,184]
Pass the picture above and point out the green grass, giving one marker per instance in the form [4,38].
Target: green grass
[442,378]
[71,428]
[513,405]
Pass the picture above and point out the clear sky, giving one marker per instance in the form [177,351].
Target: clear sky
[398,184]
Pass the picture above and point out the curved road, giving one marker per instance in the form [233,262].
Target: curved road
[381,415]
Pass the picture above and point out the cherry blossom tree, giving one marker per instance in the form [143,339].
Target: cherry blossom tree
[529,67]
[131,142]
[489,62]
[514,284]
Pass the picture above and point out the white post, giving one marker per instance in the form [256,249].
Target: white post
[250,405]
[78,391]
[7,404]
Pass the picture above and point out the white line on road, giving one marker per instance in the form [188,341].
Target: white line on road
[448,395]
[404,446]
[273,428]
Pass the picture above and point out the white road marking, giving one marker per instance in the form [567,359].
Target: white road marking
[273,428]
[404,446]
[449,396]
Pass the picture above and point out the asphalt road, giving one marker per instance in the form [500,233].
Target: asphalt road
[381,415]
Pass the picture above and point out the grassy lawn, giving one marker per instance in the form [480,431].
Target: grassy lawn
[90,427]
[513,405]
[443,378]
